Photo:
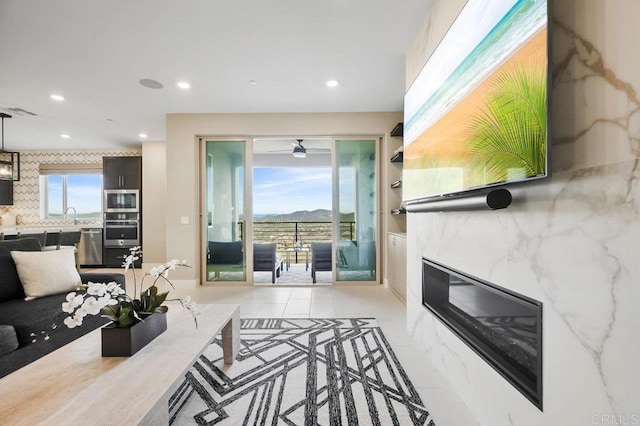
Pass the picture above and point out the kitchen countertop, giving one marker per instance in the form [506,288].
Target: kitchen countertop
[33,229]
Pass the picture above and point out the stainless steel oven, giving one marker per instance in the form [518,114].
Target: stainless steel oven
[121,229]
[121,200]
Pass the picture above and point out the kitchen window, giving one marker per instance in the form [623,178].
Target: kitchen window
[77,187]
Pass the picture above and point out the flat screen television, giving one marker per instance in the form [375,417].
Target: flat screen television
[476,115]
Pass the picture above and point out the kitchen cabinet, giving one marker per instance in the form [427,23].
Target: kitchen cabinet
[6,192]
[114,257]
[122,172]
[397,264]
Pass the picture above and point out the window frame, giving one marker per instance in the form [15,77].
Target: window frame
[44,193]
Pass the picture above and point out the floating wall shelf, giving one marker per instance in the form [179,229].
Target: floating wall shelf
[398,131]
[397,157]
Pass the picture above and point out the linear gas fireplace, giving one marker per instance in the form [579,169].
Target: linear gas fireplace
[503,327]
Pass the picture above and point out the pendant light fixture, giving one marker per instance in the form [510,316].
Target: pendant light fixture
[9,161]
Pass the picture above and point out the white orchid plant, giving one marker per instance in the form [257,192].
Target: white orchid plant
[114,303]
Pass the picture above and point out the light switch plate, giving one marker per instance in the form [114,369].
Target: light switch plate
[184,220]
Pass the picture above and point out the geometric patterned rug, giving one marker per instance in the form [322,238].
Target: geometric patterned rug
[300,372]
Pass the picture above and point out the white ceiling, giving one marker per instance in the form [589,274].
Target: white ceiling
[94,52]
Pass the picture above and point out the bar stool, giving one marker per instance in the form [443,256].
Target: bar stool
[52,241]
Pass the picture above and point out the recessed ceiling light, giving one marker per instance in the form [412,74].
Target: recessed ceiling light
[143,135]
[65,136]
[151,84]
[58,98]
[252,82]
[332,83]
[183,85]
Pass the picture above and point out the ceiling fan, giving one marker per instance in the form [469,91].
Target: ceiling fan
[300,151]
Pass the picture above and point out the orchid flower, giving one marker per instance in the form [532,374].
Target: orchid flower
[73,301]
[192,307]
[72,322]
[111,299]
[91,305]
[96,289]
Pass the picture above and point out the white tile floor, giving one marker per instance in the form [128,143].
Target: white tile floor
[336,302]
[345,302]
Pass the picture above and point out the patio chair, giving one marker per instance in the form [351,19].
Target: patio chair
[265,258]
[320,258]
[225,256]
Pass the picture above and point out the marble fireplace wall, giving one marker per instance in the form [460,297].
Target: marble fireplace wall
[571,241]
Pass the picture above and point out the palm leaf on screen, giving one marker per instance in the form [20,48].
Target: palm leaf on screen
[511,132]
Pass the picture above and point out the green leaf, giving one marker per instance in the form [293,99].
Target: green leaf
[160,298]
[136,316]
[144,302]
[136,305]
[110,317]
[511,133]
[151,291]
[124,320]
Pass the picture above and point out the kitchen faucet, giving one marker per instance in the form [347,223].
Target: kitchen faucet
[75,214]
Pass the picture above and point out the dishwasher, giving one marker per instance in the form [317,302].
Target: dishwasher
[90,247]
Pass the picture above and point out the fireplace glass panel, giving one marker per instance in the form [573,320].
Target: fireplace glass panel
[503,327]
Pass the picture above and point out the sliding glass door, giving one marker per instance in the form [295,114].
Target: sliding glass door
[355,215]
[226,194]
[223,210]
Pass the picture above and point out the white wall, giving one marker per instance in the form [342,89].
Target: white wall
[183,168]
[154,202]
[571,242]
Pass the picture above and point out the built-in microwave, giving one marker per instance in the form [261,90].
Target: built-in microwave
[121,200]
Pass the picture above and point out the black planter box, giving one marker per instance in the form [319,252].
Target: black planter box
[126,341]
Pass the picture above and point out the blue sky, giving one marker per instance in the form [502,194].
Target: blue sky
[84,192]
[286,190]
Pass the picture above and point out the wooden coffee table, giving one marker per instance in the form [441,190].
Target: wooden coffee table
[75,385]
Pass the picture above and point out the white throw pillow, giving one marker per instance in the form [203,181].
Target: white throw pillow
[43,273]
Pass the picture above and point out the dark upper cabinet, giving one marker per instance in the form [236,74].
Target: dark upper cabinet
[6,192]
[122,172]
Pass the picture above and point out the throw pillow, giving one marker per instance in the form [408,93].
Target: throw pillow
[46,272]
[8,339]
[10,287]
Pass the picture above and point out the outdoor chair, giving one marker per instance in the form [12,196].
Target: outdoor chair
[225,256]
[265,258]
[320,258]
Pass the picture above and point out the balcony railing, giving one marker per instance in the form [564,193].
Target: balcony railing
[296,233]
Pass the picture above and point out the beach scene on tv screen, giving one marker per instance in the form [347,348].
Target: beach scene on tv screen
[476,115]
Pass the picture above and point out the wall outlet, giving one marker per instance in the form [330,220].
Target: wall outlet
[184,220]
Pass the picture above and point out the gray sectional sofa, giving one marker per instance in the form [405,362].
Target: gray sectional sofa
[20,318]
